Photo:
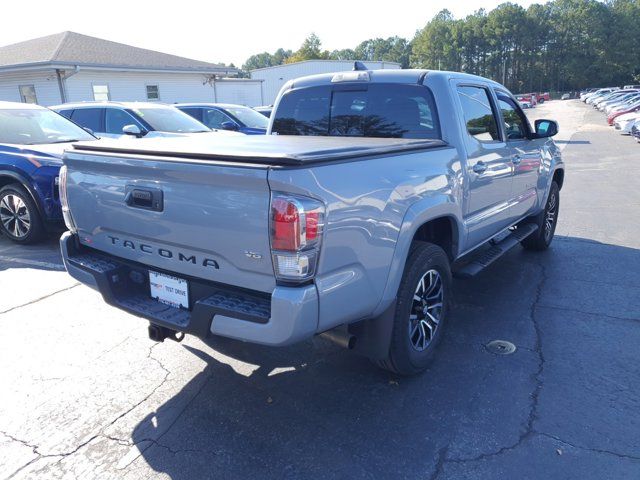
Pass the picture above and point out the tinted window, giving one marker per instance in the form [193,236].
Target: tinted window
[514,120]
[89,118]
[214,118]
[376,110]
[478,114]
[116,120]
[194,112]
[65,113]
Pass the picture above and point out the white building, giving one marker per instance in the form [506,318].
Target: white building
[273,78]
[69,67]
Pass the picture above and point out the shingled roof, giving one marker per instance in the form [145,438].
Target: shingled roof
[70,48]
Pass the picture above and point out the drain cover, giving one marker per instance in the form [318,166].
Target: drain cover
[501,347]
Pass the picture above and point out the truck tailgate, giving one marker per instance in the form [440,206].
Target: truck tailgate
[197,219]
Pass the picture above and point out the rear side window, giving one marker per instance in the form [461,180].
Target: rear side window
[375,110]
[195,112]
[89,118]
[479,115]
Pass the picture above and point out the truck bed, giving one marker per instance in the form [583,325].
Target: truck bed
[276,150]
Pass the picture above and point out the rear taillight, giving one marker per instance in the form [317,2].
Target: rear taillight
[64,201]
[296,233]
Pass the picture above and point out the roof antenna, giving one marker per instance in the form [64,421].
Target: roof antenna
[359,66]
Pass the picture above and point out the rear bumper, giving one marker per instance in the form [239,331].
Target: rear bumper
[286,316]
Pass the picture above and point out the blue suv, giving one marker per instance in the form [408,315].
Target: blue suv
[223,116]
[32,141]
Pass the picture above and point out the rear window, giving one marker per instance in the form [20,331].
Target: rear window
[375,110]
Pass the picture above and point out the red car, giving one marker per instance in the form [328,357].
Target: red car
[543,97]
[613,115]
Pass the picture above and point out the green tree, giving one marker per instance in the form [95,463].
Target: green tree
[392,49]
[309,50]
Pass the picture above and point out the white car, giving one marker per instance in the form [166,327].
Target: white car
[624,123]
[565,96]
[134,119]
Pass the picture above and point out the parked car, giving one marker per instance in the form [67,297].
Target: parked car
[529,98]
[282,237]
[524,103]
[264,110]
[634,107]
[621,103]
[543,97]
[565,96]
[225,116]
[32,140]
[137,119]
[635,132]
[593,97]
[624,123]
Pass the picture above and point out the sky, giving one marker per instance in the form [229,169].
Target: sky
[227,31]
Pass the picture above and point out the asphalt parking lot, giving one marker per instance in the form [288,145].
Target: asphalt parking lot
[85,394]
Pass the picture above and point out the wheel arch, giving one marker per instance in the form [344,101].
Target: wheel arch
[558,177]
[438,222]
[8,177]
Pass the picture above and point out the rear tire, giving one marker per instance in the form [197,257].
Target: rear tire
[546,221]
[20,220]
[421,310]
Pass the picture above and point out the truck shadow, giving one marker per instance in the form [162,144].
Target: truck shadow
[314,410]
[42,256]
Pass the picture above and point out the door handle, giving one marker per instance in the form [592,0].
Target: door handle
[516,159]
[480,167]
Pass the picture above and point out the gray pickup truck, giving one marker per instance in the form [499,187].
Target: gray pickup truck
[347,220]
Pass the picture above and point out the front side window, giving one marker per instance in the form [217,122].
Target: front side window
[214,118]
[116,119]
[515,123]
[376,110]
[478,113]
[28,94]
[33,127]
[248,117]
[153,92]
[101,93]
[89,118]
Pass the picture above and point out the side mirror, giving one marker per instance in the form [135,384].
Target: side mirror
[229,126]
[546,128]
[133,130]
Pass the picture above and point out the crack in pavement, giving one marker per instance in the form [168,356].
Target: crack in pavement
[63,455]
[603,315]
[528,429]
[39,299]
[588,449]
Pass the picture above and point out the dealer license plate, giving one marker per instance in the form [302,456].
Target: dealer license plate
[169,290]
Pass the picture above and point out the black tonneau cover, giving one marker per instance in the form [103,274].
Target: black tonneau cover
[260,149]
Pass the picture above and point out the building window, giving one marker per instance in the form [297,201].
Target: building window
[101,93]
[28,94]
[153,92]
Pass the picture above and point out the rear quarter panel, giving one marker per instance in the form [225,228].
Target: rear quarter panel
[367,203]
